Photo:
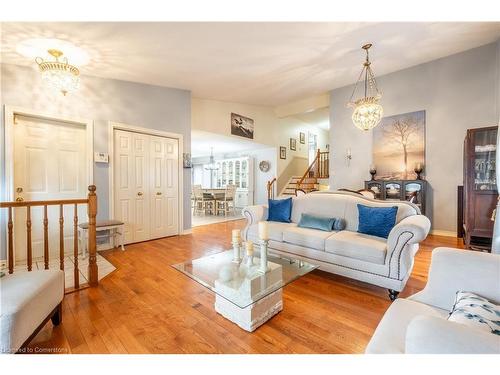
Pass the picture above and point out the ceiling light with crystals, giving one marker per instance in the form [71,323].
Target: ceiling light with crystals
[367,110]
[59,73]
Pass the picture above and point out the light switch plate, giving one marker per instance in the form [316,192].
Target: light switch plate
[101,157]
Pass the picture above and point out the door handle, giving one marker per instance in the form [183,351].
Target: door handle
[139,194]
[158,193]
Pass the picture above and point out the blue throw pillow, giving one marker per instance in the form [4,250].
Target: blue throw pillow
[339,224]
[376,221]
[280,210]
[316,222]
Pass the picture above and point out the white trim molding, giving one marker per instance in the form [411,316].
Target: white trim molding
[447,233]
[137,129]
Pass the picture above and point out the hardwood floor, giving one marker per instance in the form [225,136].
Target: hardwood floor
[146,306]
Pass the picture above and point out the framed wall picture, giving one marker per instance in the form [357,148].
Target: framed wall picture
[399,145]
[302,138]
[282,152]
[241,126]
[293,144]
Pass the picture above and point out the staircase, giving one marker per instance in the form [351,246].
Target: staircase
[310,181]
[307,185]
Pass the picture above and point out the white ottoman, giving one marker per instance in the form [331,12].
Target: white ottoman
[27,301]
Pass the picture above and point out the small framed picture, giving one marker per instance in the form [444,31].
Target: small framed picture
[293,144]
[302,138]
[282,152]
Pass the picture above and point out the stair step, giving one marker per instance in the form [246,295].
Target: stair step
[285,193]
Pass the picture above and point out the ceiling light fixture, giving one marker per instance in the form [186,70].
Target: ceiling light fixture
[367,112]
[59,74]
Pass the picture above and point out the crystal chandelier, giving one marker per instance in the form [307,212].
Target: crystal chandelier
[59,74]
[367,112]
[211,165]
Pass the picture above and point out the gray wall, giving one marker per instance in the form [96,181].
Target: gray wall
[104,100]
[457,92]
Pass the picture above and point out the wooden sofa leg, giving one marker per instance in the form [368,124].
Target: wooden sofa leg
[393,295]
[57,316]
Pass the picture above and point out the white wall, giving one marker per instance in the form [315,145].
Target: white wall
[215,117]
[457,92]
[103,100]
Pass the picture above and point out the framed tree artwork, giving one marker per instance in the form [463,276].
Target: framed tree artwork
[399,145]
[293,144]
[302,138]
[282,152]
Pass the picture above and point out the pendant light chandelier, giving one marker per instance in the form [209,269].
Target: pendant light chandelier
[211,164]
[59,74]
[367,111]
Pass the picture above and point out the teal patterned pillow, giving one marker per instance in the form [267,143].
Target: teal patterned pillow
[476,311]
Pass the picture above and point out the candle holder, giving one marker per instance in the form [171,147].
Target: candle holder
[418,170]
[236,251]
[373,172]
[263,256]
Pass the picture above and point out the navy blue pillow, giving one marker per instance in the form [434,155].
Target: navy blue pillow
[376,221]
[280,210]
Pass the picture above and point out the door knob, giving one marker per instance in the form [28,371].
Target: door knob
[139,193]
[19,190]
[158,193]
[19,199]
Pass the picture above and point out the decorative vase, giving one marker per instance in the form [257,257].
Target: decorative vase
[373,172]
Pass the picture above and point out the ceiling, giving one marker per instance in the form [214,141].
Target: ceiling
[266,63]
[319,117]
[202,142]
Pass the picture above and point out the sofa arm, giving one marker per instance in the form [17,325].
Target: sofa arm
[417,226]
[253,214]
[402,244]
[434,335]
[455,270]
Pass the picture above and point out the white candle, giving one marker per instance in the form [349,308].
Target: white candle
[236,235]
[263,230]
[249,247]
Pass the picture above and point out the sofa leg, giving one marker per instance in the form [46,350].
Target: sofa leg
[393,295]
[57,316]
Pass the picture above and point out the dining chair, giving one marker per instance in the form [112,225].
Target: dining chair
[197,199]
[225,202]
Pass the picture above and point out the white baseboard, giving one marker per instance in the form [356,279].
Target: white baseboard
[187,231]
[447,233]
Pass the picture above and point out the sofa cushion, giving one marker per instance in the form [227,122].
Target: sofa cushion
[27,299]
[280,210]
[390,335]
[476,312]
[358,246]
[376,221]
[311,238]
[275,230]
[317,222]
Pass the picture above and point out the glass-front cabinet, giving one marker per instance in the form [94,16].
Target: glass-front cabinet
[239,172]
[480,188]
[485,148]
[396,190]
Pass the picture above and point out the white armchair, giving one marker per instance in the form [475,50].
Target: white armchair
[419,324]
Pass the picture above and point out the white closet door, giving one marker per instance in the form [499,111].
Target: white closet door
[164,183]
[132,184]
[49,163]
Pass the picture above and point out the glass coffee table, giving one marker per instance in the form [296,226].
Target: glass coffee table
[243,294]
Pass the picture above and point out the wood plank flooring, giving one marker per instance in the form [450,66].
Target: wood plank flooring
[146,306]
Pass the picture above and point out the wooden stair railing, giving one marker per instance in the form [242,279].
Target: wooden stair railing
[91,203]
[319,168]
[270,188]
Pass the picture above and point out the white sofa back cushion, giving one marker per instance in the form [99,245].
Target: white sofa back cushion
[344,205]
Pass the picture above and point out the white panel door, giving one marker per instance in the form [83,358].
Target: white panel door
[50,162]
[164,184]
[131,184]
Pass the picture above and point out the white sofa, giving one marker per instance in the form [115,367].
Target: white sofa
[379,261]
[27,301]
[419,323]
